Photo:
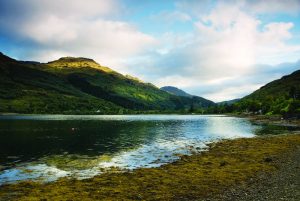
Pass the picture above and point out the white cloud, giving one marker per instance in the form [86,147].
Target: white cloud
[107,41]
[79,28]
[230,93]
[49,30]
[176,80]
[226,45]
[233,42]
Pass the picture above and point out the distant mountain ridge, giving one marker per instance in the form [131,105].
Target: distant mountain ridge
[229,102]
[81,85]
[196,101]
[175,91]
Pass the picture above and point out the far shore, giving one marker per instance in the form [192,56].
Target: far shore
[259,119]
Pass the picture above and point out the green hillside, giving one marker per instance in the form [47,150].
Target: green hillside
[80,85]
[280,96]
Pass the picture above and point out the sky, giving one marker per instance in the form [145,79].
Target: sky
[217,49]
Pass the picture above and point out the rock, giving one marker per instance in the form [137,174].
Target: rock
[268,160]
[223,163]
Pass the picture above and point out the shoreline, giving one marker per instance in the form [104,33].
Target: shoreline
[275,121]
[227,164]
[265,119]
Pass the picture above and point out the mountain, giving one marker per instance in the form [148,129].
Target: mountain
[175,91]
[197,101]
[280,96]
[229,102]
[80,85]
[280,88]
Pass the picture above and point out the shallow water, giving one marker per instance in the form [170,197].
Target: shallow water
[46,147]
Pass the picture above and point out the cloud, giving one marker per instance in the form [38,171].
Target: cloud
[230,93]
[225,47]
[233,41]
[114,38]
[227,43]
[61,28]
[18,12]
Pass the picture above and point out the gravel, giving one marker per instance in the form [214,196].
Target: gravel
[280,185]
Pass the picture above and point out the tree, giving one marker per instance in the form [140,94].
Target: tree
[192,108]
[294,109]
[293,93]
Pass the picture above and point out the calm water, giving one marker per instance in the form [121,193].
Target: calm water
[47,147]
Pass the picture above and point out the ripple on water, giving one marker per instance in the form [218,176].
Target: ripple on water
[150,142]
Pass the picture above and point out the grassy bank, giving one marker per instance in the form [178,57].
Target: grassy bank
[227,163]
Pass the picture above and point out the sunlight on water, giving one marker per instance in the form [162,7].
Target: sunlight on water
[47,147]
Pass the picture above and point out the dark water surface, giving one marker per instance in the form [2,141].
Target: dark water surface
[51,146]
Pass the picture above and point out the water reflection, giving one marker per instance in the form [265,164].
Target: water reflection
[51,146]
